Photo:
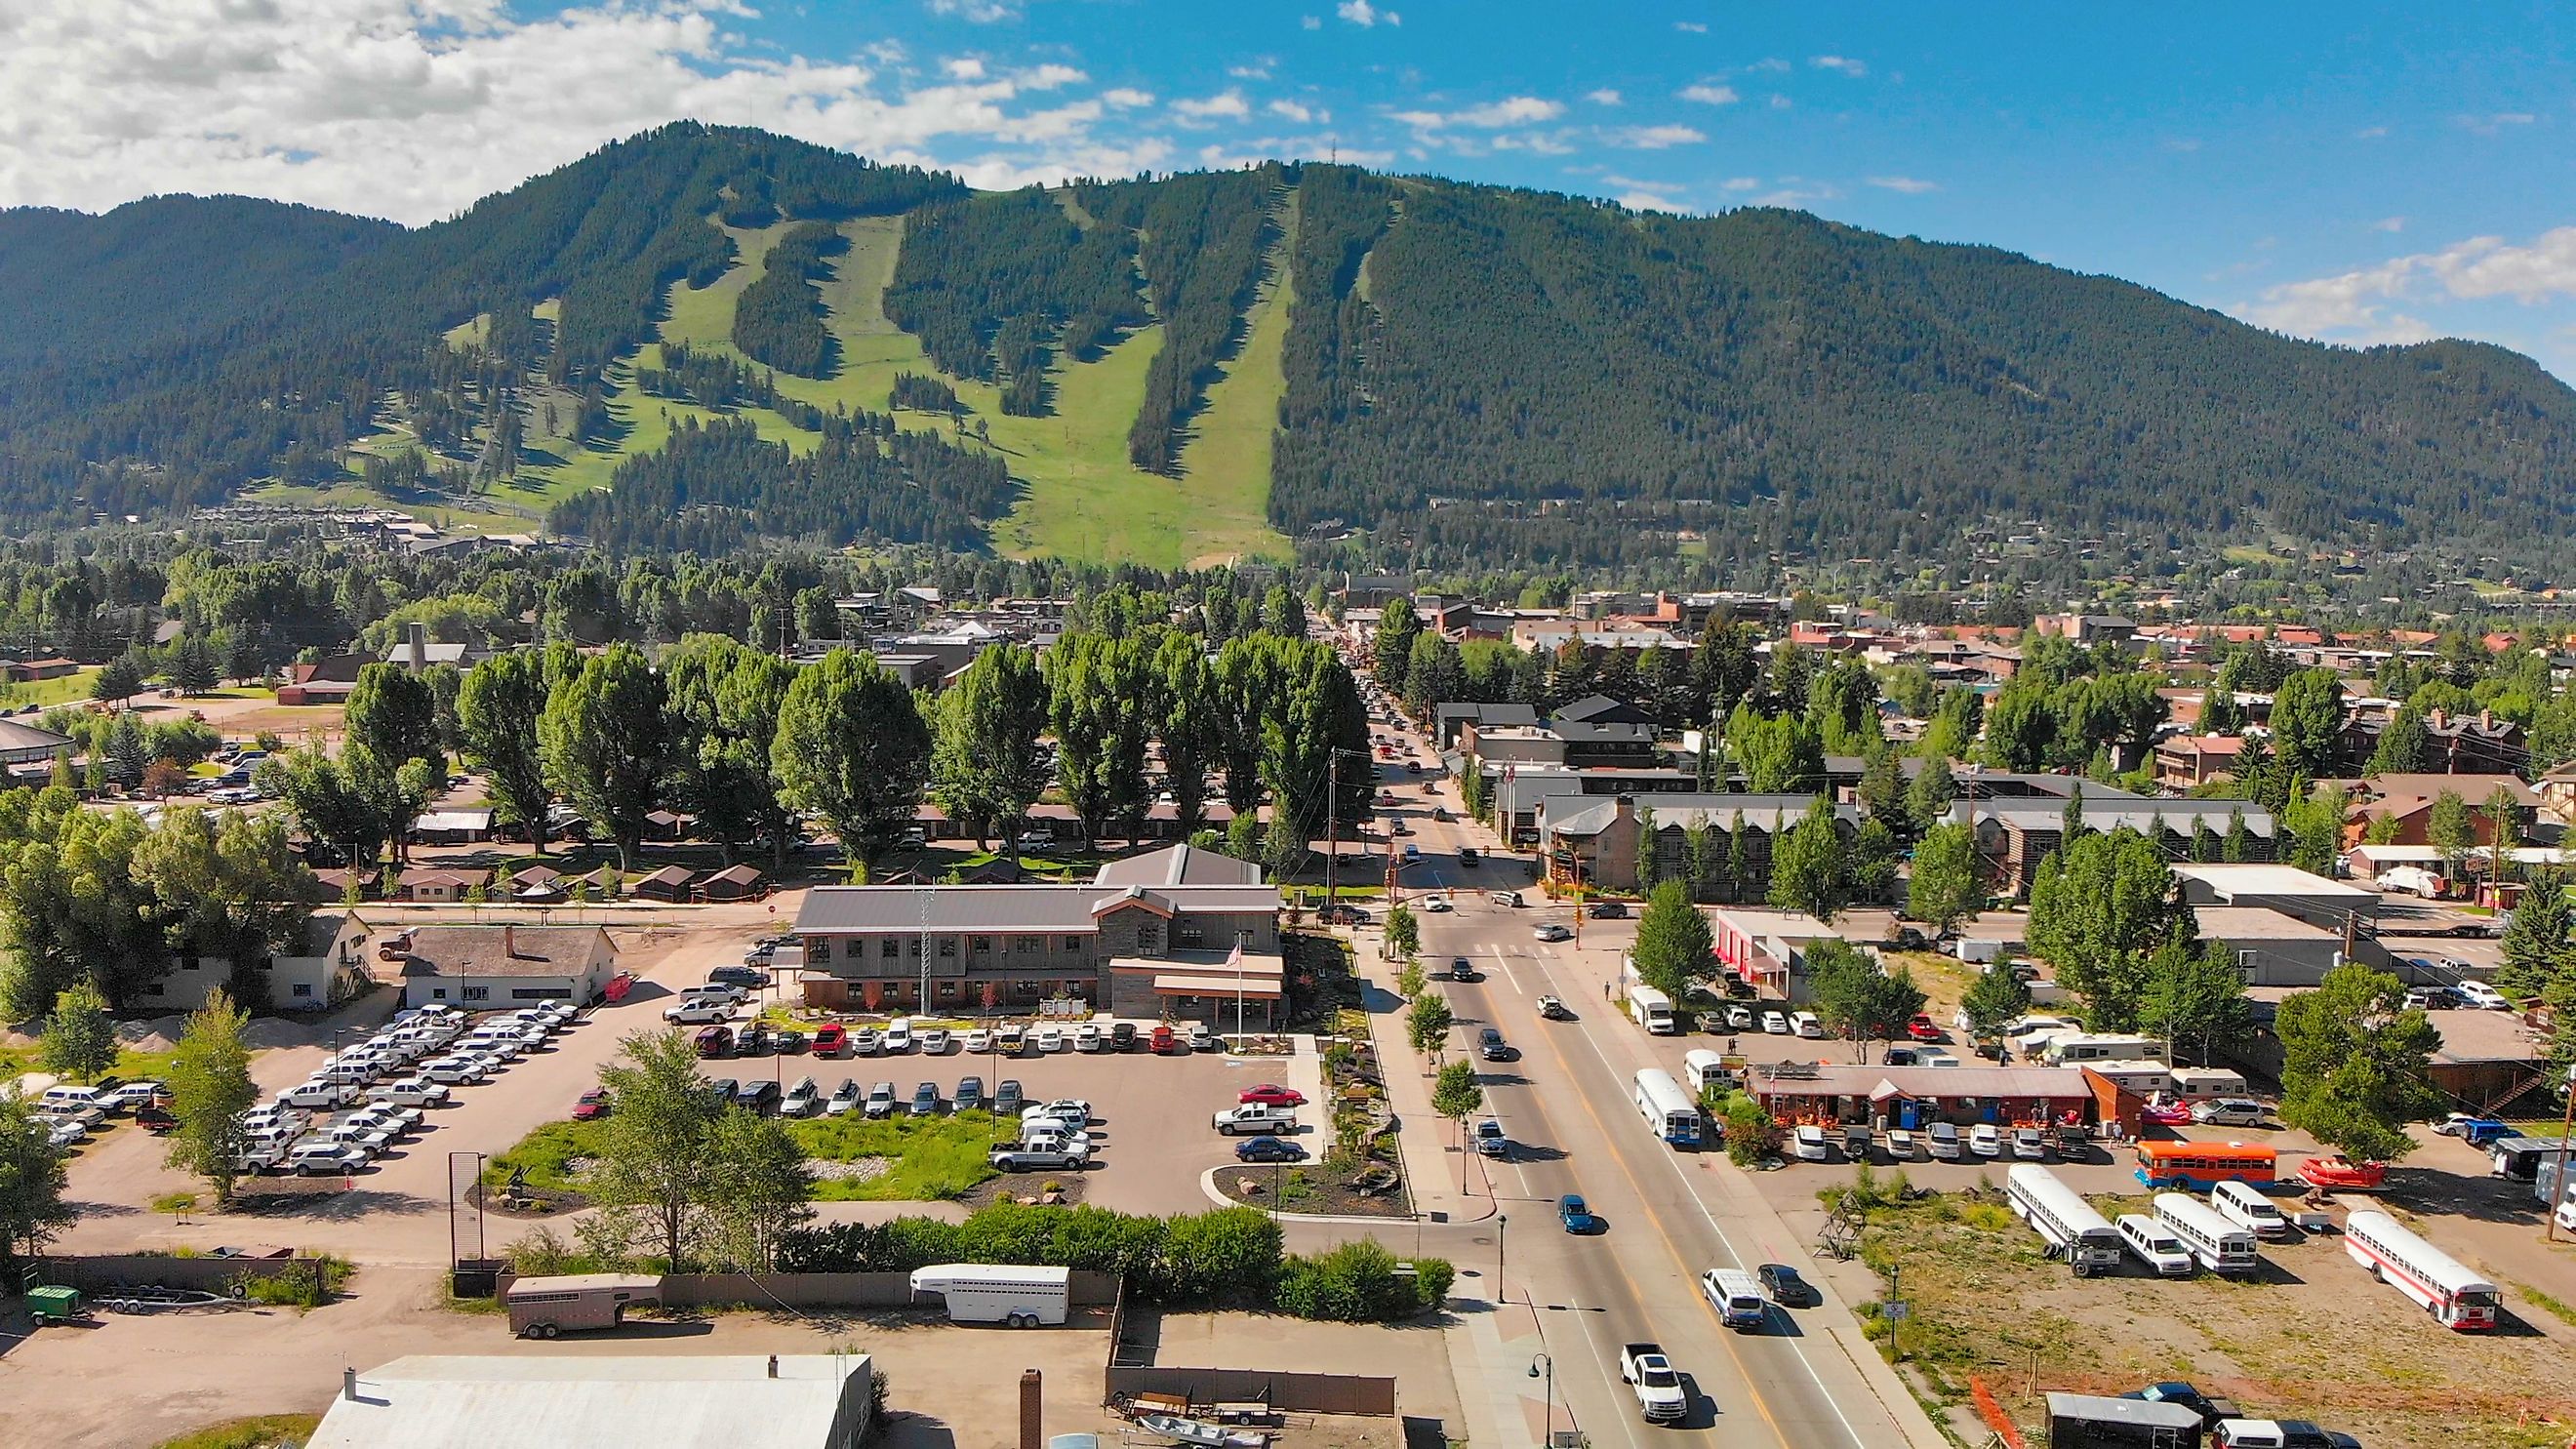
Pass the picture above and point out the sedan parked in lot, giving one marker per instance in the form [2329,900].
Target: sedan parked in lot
[934,1042]
[1051,1039]
[1776,1022]
[970,1094]
[590,1104]
[979,1040]
[1986,1140]
[925,1100]
[1007,1100]
[1268,1149]
[880,1101]
[1088,1038]
[1271,1094]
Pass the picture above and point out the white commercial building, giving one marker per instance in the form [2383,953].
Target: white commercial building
[429,1401]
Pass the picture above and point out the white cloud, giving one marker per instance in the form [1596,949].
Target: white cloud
[1310,22]
[1770,63]
[980,12]
[1225,105]
[1690,27]
[1363,14]
[1258,70]
[2362,306]
[1543,143]
[2370,133]
[1651,138]
[1648,201]
[2389,223]
[1604,97]
[2492,124]
[1707,94]
[1842,63]
[1909,185]
[1512,111]
[1781,103]
[1127,98]
[1742,183]
[1292,110]
[413,109]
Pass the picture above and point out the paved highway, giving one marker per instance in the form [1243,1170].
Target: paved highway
[1565,1105]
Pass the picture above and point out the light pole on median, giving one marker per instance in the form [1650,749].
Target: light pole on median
[1502,1225]
[1549,1361]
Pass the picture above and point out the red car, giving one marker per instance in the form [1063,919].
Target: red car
[831,1040]
[593,1103]
[1922,1029]
[1271,1094]
[1165,1042]
[617,987]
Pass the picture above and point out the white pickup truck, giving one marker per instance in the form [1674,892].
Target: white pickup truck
[1258,1119]
[1643,1367]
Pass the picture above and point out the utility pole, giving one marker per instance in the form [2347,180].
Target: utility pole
[1332,826]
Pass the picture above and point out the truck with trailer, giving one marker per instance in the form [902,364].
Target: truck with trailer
[1012,1294]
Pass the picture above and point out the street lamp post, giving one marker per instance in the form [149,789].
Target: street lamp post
[1502,1225]
[1549,1361]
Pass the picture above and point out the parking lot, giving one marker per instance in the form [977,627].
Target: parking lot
[1151,1128]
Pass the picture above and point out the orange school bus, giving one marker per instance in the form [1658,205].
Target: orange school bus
[2200,1166]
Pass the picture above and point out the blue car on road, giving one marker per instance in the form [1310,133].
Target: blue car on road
[1575,1216]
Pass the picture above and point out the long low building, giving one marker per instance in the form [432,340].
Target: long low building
[735,1401]
[1175,933]
[1915,1097]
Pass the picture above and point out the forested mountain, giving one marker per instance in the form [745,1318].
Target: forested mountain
[1468,375]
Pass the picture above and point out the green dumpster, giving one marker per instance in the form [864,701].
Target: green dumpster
[54,1305]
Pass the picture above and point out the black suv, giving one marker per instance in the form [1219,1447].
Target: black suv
[1491,1046]
[1122,1037]
[755,1041]
[761,1097]
[739,976]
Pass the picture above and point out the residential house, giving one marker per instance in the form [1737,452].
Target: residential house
[483,967]
[2478,744]
[2408,801]
[330,969]
[671,885]
[327,681]
[734,883]
[2013,836]
[437,886]
[2183,761]
[452,827]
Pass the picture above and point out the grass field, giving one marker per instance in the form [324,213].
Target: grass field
[1082,499]
[68,689]
[927,1159]
[268,1431]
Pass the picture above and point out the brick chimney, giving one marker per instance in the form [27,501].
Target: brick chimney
[510,942]
[1032,1401]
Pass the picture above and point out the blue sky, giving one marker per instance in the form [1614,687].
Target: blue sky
[2356,172]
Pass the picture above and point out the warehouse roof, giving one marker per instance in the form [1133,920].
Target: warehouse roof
[430,1401]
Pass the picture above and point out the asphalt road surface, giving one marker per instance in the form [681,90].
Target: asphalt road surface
[1565,1104]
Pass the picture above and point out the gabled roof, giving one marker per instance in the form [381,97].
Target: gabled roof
[1178,865]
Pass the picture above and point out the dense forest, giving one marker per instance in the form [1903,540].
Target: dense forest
[1201,241]
[1474,377]
[779,318]
[719,487]
[991,284]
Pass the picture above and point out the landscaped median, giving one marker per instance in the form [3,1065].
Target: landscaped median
[901,1159]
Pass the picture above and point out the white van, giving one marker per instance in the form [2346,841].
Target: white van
[2240,1204]
[2149,1243]
[69,1098]
[1737,1297]
[1806,1023]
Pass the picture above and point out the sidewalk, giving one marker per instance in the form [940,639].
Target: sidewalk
[1432,1169]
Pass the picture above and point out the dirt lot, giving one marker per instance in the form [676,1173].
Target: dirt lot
[2310,1337]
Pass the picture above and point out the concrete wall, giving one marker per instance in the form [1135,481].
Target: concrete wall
[1294,1392]
[97,1275]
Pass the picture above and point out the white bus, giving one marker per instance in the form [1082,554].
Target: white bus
[2221,1246]
[2068,1223]
[1702,1069]
[1666,1107]
[1653,1010]
[1023,1297]
[2456,1297]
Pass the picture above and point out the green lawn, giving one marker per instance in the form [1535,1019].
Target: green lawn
[69,689]
[932,1158]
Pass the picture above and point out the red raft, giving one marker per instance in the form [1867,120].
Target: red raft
[2341,1174]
